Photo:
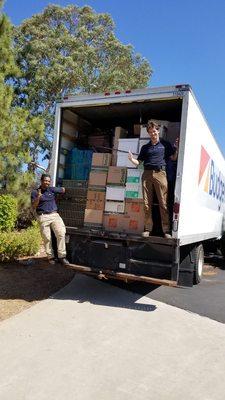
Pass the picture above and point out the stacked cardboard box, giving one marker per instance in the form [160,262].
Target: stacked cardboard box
[134,216]
[133,184]
[96,189]
[132,221]
[115,190]
[126,145]
[118,134]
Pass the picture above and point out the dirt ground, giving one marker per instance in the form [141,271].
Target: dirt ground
[26,282]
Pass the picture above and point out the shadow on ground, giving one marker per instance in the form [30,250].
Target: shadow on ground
[91,290]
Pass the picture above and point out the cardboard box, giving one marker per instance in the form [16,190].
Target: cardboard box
[95,199]
[101,159]
[116,193]
[128,144]
[113,222]
[98,177]
[93,217]
[119,133]
[134,175]
[114,206]
[133,191]
[116,176]
[134,207]
[137,129]
[122,160]
[133,224]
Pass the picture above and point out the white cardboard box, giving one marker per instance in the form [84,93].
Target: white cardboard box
[128,144]
[133,191]
[134,175]
[114,206]
[116,193]
[122,160]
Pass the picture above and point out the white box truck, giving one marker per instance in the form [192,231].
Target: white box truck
[199,193]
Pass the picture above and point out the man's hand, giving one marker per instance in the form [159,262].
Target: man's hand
[176,143]
[39,193]
[130,156]
[132,159]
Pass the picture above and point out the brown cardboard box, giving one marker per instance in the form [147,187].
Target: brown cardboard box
[113,222]
[116,176]
[134,207]
[137,129]
[134,223]
[95,199]
[101,159]
[98,177]
[93,217]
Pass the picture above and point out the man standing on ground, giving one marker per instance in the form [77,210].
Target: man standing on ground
[43,201]
[154,156]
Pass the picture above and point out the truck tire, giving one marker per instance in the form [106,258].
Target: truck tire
[198,261]
[222,246]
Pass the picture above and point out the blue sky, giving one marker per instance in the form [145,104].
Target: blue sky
[184,41]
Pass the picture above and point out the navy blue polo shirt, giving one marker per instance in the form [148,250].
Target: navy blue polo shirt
[47,202]
[156,155]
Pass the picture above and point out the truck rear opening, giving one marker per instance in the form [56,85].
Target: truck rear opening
[93,127]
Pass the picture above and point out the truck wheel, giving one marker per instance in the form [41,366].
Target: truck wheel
[222,246]
[198,260]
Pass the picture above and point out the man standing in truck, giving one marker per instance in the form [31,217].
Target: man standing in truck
[43,201]
[154,155]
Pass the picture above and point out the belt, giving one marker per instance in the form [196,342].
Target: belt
[154,168]
[44,212]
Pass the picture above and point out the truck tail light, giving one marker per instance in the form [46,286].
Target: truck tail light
[176,209]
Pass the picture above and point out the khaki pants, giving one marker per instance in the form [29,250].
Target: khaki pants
[53,221]
[157,180]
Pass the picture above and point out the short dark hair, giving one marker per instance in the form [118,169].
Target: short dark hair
[152,124]
[43,176]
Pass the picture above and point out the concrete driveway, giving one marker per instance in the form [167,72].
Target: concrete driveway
[95,341]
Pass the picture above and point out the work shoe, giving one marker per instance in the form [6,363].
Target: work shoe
[167,235]
[146,234]
[63,261]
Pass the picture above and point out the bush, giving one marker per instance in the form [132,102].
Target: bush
[8,212]
[18,244]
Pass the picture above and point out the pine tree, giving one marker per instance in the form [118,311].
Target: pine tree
[20,132]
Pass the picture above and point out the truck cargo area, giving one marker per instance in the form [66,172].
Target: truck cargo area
[111,252]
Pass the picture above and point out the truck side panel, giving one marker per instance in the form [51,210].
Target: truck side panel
[202,181]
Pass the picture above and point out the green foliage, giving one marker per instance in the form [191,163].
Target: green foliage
[72,49]
[19,244]
[8,212]
[20,132]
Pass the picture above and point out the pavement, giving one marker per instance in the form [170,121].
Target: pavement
[93,341]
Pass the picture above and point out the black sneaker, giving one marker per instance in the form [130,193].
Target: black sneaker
[63,261]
